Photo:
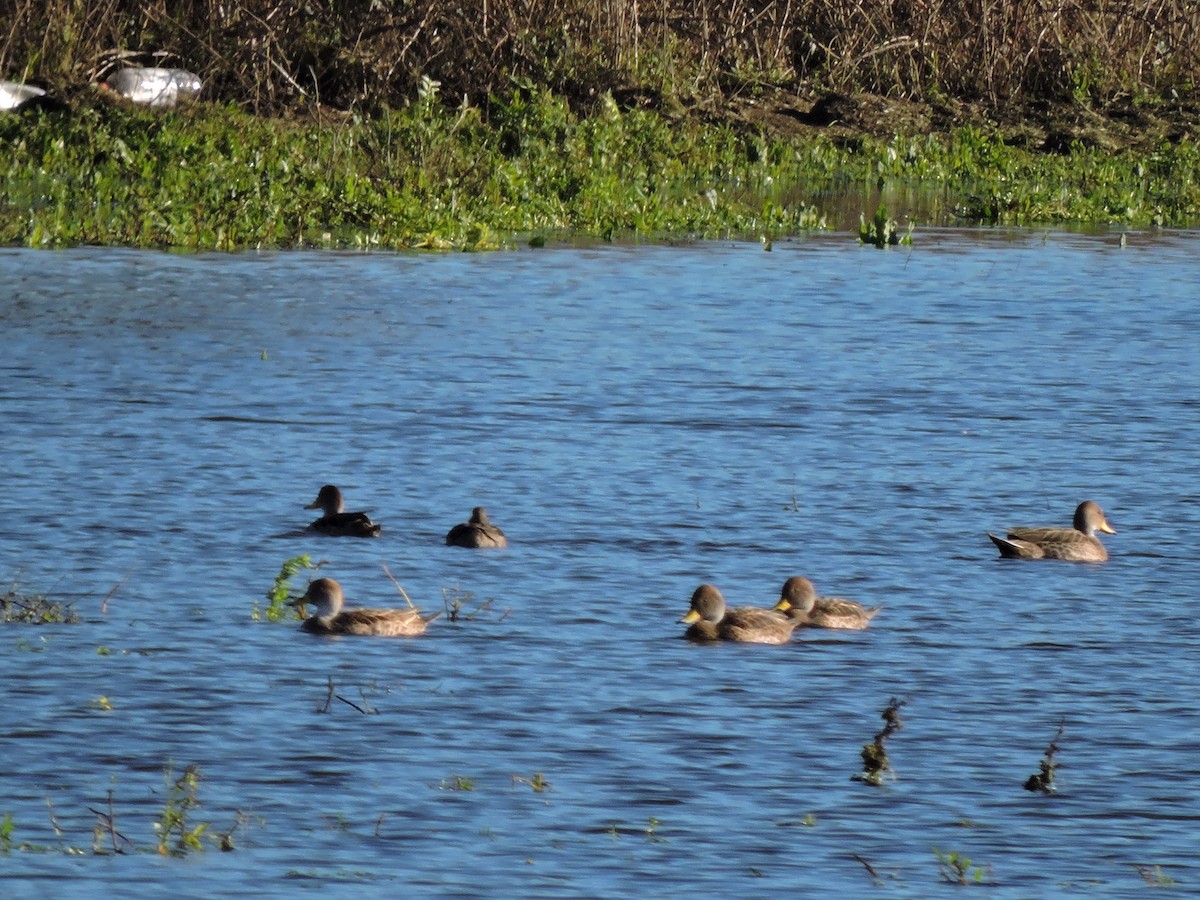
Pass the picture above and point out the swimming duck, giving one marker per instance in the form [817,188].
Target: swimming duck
[1077,544]
[330,618]
[337,523]
[798,600]
[710,620]
[478,532]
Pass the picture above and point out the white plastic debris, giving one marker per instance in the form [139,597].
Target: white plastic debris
[154,86]
[13,94]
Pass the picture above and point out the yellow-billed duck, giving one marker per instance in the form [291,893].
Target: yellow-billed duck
[799,601]
[330,618]
[477,532]
[1077,544]
[710,620]
[337,523]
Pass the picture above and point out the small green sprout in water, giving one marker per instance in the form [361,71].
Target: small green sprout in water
[652,830]
[280,594]
[537,781]
[958,869]
[875,759]
[456,783]
[175,837]
[882,230]
[1044,780]
[1154,875]
[6,832]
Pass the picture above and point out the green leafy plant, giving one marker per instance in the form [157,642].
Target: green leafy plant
[958,869]
[536,781]
[176,835]
[280,593]
[882,230]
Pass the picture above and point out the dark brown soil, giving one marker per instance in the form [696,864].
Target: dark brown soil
[1040,126]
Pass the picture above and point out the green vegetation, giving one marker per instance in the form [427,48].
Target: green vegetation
[958,869]
[882,231]
[34,609]
[392,126]
[176,836]
[280,594]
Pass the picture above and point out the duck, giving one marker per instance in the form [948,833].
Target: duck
[337,523]
[477,532]
[710,620]
[330,618]
[1076,544]
[798,600]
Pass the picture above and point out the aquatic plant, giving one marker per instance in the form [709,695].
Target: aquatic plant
[176,835]
[331,695]
[876,764]
[536,781]
[958,869]
[106,827]
[34,609]
[1043,780]
[882,230]
[280,593]
[456,783]
[875,877]
[1154,875]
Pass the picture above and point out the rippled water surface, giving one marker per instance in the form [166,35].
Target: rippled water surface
[638,420]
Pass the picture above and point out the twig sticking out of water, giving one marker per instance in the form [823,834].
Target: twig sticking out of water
[870,869]
[111,593]
[399,587]
[1044,780]
[455,599]
[107,824]
[874,756]
[332,695]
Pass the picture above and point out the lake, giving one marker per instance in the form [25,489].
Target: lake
[638,420]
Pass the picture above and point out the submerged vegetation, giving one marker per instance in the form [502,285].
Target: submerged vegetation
[876,764]
[34,609]
[397,126]
[1043,780]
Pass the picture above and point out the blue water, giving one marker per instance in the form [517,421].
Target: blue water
[638,420]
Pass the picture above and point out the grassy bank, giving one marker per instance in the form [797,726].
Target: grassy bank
[396,124]
[212,177]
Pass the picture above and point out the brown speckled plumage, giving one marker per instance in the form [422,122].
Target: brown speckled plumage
[330,618]
[710,620]
[799,601]
[1077,544]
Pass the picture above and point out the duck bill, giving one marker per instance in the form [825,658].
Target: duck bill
[782,606]
[315,504]
[1106,528]
[691,617]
